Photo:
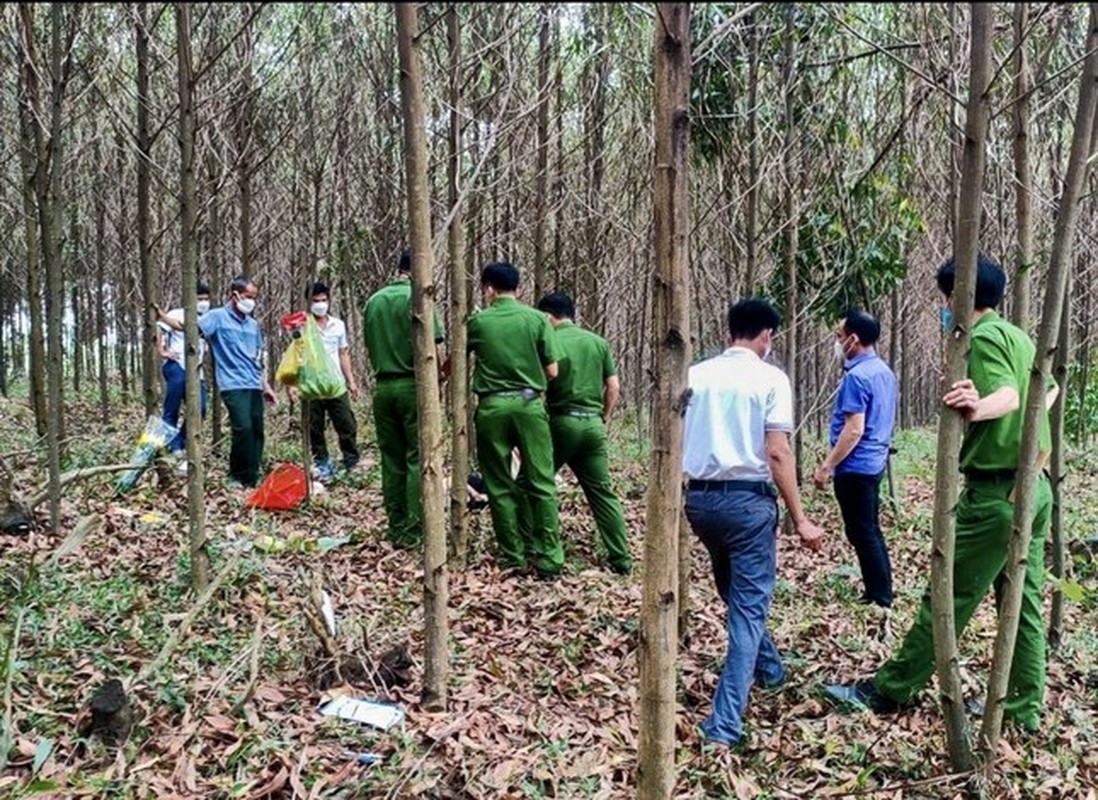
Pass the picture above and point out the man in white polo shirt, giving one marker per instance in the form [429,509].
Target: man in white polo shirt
[736,449]
[338,409]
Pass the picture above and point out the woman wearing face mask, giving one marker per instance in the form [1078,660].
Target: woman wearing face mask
[171,348]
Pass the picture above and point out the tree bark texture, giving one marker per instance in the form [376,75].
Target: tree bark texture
[671,338]
[459,311]
[435,580]
[150,281]
[196,511]
[1023,171]
[1060,259]
[966,243]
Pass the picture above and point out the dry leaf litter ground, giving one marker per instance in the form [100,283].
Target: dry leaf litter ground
[543,676]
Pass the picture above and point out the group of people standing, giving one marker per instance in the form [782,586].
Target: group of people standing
[545,388]
[737,460]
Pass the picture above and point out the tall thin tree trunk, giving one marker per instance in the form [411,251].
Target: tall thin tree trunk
[1023,171]
[435,580]
[48,189]
[101,282]
[951,424]
[753,189]
[28,155]
[1029,466]
[459,311]
[196,478]
[150,281]
[671,335]
[789,260]
[1058,472]
[542,145]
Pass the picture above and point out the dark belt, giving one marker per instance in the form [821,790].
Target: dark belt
[578,413]
[525,394]
[985,475]
[758,487]
[394,376]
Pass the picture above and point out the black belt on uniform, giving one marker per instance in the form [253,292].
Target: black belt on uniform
[578,413]
[990,474]
[394,376]
[525,394]
[758,487]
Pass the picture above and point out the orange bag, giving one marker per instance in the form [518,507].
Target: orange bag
[282,490]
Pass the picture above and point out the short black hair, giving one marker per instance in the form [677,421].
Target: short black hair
[990,281]
[201,287]
[404,263]
[502,276]
[862,324]
[240,283]
[748,318]
[315,288]
[558,304]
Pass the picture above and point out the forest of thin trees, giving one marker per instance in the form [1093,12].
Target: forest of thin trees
[825,158]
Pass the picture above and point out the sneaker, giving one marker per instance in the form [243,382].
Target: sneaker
[182,467]
[323,471]
[862,696]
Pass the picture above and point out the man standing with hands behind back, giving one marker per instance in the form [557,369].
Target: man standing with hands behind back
[861,435]
[735,450]
[580,400]
[516,355]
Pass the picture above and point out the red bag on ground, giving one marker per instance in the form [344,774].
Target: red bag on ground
[282,490]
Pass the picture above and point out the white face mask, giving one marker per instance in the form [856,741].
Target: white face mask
[320,309]
[840,354]
[245,305]
[202,306]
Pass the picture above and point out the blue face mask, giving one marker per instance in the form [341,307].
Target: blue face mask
[946,315]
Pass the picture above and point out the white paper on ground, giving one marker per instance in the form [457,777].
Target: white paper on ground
[377,715]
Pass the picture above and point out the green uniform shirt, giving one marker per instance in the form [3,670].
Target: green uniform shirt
[513,344]
[387,320]
[1001,356]
[584,365]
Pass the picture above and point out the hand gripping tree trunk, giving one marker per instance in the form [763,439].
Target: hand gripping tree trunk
[671,330]
[435,587]
[459,310]
[966,236]
[196,511]
[1028,460]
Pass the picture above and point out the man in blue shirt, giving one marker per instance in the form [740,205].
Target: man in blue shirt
[861,434]
[236,344]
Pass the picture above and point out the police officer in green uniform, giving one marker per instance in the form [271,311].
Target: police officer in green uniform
[992,400]
[580,402]
[516,352]
[387,320]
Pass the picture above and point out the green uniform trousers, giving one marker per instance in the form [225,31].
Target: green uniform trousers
[245,407]
[984,517]
[396,421]
[580,442]
[503,423]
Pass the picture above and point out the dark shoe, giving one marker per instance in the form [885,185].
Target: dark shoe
[862,696]
[545,576]
[621,569]
[974,707]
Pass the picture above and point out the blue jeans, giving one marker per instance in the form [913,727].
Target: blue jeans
[175,387]
[739,529]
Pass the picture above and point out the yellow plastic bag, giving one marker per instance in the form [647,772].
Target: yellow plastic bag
[290,366]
